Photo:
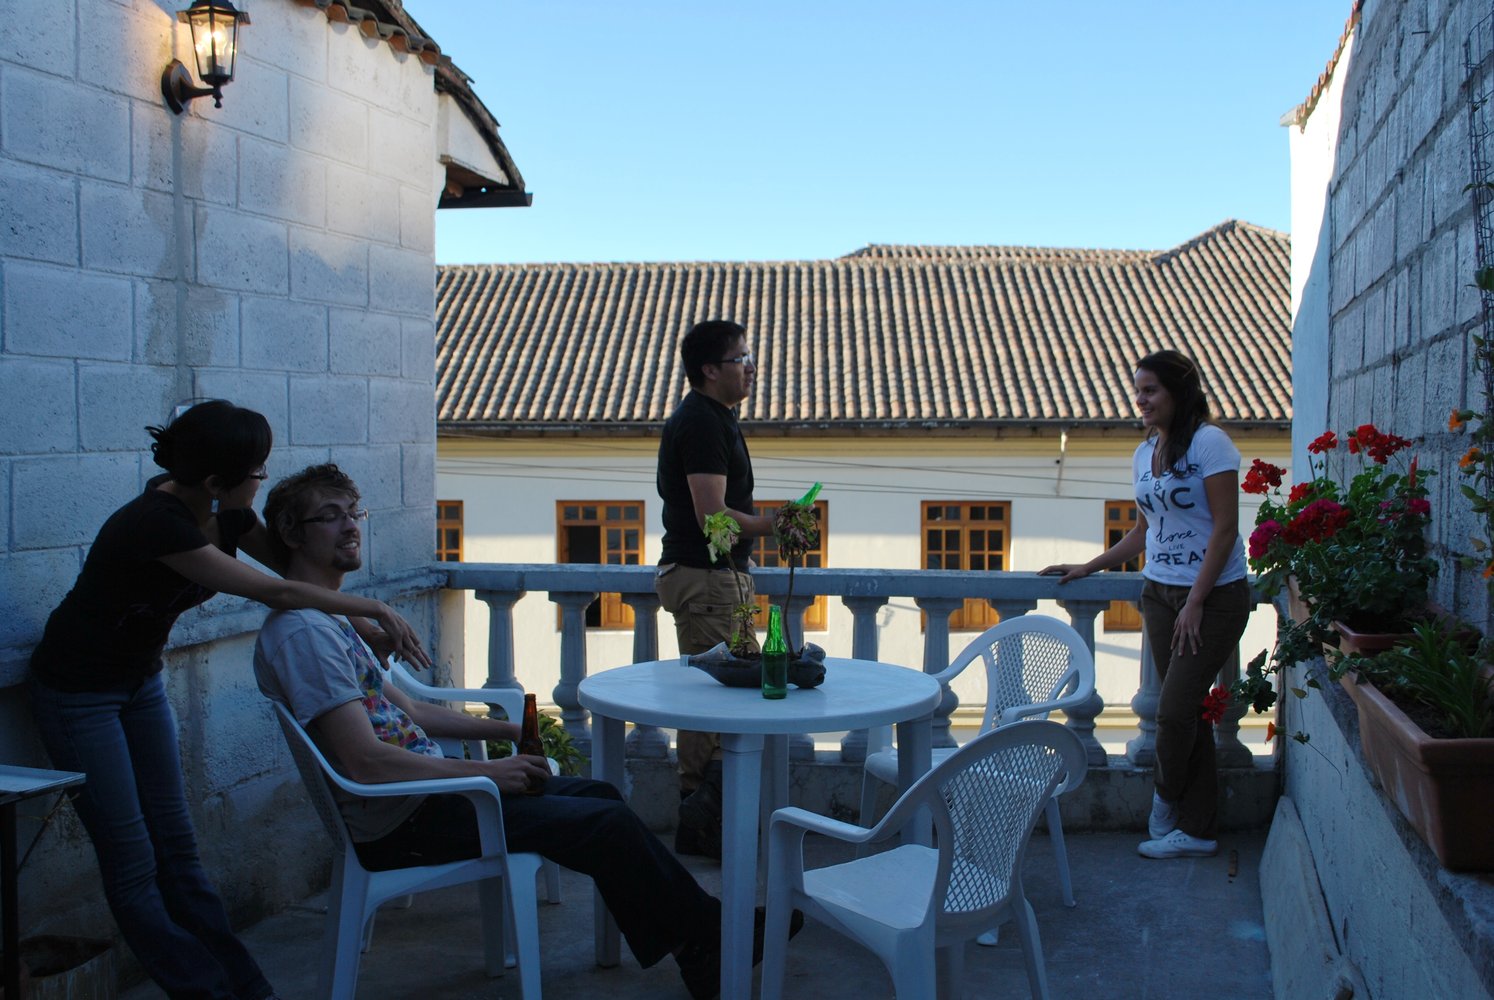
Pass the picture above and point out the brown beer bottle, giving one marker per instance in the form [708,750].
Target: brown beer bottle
[530,744]
[529,731]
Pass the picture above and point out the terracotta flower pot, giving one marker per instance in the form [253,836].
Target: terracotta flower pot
[1367,643]
[1297,608]
[1442,787]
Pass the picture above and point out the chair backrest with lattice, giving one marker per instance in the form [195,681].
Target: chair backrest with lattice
[313,767]
[985,799]
[1030,660]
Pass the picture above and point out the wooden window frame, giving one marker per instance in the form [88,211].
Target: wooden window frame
[765,553]
[449,517]
[610,517]
[1121,616]
[976,615]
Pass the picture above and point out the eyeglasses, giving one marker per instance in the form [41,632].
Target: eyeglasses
[740,359]
[335,516]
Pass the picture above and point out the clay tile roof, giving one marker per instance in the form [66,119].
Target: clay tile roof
[886,339]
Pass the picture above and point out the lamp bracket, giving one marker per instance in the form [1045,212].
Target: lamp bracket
[178,89]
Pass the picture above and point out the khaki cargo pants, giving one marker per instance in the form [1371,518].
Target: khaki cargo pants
[701,601]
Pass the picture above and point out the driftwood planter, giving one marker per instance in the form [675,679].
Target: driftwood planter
[806,671]
[1443,787]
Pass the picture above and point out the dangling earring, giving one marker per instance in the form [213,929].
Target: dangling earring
[214,507]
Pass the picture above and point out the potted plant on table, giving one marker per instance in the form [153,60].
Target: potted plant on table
[736,662]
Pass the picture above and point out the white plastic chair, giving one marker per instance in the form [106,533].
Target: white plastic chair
[1034,665]
[356,892]
[508,699]
[908,903]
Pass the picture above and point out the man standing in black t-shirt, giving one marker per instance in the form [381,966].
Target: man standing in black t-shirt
[704,468]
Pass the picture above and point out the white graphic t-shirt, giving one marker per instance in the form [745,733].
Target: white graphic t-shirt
[1178,520]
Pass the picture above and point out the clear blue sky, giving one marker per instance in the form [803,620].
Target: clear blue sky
[773,130]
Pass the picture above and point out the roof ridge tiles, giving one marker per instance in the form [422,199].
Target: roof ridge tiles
[869,342]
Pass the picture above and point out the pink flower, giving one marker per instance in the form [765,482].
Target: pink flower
[1261,538]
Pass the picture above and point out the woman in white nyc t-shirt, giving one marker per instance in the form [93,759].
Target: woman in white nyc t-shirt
[1196,599]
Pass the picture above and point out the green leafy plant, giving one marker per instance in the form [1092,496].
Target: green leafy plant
[557,742]
[796,530]
[722,531]
[1440,672]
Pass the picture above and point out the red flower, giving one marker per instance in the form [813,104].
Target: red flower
[1325,441]
[1318,521]
[1301,491]
[1419,506]
[1214,705]
[1378,446]
[1263,476]
[1270,731]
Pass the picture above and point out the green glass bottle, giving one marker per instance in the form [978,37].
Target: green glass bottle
[775,657]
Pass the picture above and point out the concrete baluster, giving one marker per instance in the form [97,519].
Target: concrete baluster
[1141,749]
[936,657]
[645,741]
[573,607]
[501,638]
[1228,750]
[864,638]
[1082,615]
[800,745]
[1012,609]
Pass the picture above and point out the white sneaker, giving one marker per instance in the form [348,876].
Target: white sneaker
[1178,844]
[1164,817]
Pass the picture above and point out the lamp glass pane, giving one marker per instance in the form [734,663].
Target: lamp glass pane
[215,40]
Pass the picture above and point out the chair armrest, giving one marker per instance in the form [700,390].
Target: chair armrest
[1018,712]
[810,822]
[421,786]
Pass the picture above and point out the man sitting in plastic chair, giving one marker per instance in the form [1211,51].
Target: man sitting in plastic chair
[315,665]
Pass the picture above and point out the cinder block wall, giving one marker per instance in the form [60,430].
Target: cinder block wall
[1399,258]
[277,252]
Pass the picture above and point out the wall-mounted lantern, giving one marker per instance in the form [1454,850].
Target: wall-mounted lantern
[215,39]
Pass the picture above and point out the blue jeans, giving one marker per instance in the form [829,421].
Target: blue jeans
[134,807]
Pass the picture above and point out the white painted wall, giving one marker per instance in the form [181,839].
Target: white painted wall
[1313,147]
[873,489]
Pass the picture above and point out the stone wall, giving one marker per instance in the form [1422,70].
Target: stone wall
[1395,267]
[279,252]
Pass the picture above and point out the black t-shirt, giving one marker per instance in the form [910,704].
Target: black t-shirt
[701,436]
[111,627]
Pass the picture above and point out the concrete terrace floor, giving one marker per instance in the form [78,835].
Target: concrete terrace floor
[1142,929]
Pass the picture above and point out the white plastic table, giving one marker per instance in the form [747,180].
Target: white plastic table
[856,694]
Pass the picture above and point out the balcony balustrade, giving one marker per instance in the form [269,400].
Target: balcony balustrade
[864,592]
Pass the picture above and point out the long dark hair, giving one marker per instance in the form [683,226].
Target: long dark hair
[214,438]
[1190,408]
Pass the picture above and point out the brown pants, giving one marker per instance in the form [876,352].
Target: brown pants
[1186,772]
[701,601]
